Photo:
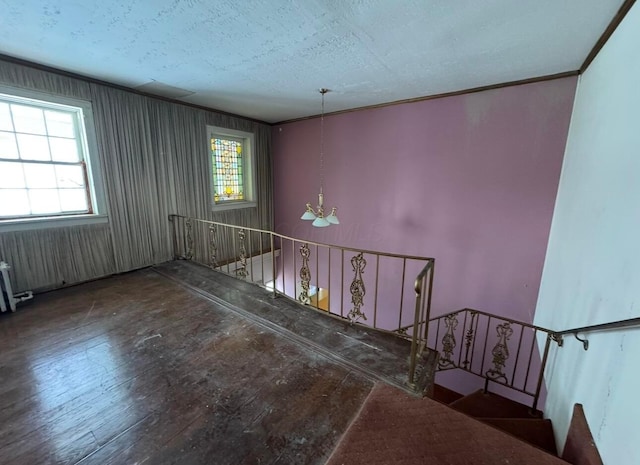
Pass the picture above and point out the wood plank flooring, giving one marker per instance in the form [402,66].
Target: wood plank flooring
[138,369]
[380,355]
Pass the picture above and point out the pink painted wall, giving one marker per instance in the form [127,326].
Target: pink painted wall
[470,180]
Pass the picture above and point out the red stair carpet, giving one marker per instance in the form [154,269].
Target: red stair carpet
[394,428]
[508,416]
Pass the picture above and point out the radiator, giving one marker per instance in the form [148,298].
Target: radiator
[8,299]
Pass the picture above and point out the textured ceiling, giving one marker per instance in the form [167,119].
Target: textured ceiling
[266,58]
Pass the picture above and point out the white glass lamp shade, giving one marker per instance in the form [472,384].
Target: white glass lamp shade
[320,222]
[333,218]
[308,215]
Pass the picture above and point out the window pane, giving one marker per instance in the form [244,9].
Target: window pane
[14,202]
[44,201]
[70,176]
[5,118]
[73,200]
[33,147]
[227,169]
[63,149]
[8,148]
[59,124]
[42,158]
[28,119]
[40,176]
[11,175]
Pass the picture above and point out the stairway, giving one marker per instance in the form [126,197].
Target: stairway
[412,429]
[502,413]
[393,427]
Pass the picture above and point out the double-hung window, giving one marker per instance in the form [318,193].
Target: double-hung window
[231,155]
[44,158]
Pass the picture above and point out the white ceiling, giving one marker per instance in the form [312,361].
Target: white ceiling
[266,59]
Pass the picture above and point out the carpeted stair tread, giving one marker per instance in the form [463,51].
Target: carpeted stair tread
[395,428]
[536,431]
[489,405]
[445,395]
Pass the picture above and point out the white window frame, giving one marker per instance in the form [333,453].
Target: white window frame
[90,157]
[249,160]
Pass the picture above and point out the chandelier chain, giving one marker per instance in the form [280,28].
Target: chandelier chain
[322,92]
[319,215]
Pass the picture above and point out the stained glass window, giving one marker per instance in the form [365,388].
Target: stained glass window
[227,161]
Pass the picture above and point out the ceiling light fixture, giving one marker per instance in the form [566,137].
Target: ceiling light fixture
[319,220]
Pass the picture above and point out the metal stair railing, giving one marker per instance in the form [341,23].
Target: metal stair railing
[333,279]
[306,271]
[483,345]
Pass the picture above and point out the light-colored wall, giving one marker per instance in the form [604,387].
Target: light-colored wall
[470,180]
[591,273]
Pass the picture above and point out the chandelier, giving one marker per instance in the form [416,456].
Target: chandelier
[317,215]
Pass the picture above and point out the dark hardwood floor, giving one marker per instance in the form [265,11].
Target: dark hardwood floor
[138,369]
[382,356]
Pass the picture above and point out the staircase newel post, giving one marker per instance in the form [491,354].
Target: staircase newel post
[416,331]
[273,264]
[430,291]
[543,365]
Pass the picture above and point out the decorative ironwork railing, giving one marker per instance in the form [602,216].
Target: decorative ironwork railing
[371,288]
[362,286]
[484,345]
[498,349]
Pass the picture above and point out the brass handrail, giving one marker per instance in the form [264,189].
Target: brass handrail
[452,353]
[502,369]
[423,283]
[511,320]
[321,244]
[422,322]
[421,317]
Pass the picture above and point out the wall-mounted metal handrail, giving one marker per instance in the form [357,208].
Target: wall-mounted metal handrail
[602,327]
[611,326]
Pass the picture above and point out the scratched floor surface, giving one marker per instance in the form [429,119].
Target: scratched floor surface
[140,369]
[383,356]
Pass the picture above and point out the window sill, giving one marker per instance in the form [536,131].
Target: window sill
[46,222]
[233,206]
